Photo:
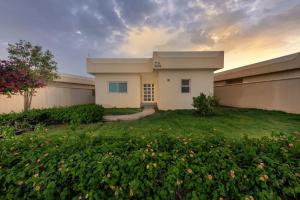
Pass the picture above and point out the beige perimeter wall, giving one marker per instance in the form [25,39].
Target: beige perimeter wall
[131,99]
[277,93]
[169,81]
[55,94]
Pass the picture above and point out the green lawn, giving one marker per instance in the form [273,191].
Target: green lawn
[231,122]
[169,155]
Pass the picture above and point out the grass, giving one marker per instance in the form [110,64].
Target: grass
[231,122]
[121,111]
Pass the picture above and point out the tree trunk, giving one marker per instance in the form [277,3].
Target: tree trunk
[27,99]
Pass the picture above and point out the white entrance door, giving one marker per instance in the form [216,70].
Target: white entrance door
[148,92]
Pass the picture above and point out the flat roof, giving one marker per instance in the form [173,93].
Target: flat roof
[70,78]
[119,60]
[282,63]
[187,54]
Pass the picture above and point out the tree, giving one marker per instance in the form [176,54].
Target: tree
[39,65]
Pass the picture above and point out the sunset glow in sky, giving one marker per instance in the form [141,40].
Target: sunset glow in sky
[247,30]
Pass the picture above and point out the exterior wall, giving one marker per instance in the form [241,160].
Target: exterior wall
[119,65]
[131,99]
[274,91]
[170,96]
[189,60]
[55,94]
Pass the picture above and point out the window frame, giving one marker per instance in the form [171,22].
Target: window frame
[118,87]
[185,86]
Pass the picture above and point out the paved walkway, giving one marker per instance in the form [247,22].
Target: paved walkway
[115,118]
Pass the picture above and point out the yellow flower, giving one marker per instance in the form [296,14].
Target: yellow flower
[116,193]
[130,192]
[46,154]
[112,187]
[249,198]
[264,178]
[261,165]
[210,177]
[153,154]
[190,171]
[87,196]
[148,166]
[178,182]
[154,165]
[108,175]
[37,188]
[20,183]
[232,174]
[36,175]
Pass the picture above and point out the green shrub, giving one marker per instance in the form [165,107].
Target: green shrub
[27,120]
[75,121]
[206,105]
[7,131]
[82,166]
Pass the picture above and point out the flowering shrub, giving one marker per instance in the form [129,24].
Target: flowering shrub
[86,166]
[13,78]
[29,119]
[205,105]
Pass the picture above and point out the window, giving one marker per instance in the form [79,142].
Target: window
[117,87]
[185,85]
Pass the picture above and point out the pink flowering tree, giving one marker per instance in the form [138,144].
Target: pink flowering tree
[13,79]
[27,69]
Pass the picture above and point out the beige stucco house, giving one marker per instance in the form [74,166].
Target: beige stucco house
[168,79]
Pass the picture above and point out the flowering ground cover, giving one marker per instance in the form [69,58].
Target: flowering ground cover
[171,155]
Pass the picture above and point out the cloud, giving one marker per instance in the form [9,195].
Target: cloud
[143,41]
[248,30]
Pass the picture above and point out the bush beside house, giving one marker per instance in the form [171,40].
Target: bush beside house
[61,115]
[205,104]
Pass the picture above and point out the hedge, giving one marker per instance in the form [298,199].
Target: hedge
[87,166]
[60,115]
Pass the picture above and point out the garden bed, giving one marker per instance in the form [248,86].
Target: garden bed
[170,155]
[87,166]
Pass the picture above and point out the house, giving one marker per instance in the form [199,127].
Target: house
[168,79]
[272,85]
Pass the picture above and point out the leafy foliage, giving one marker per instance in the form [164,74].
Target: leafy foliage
[40,67]
[29,119]
[87,166]
[206,105]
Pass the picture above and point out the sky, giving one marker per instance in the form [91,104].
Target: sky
[248,31]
